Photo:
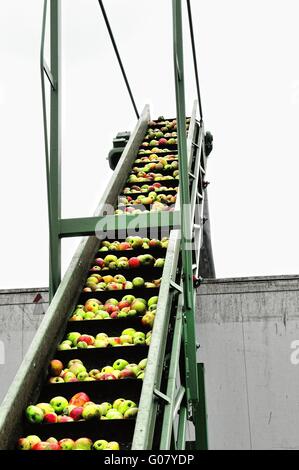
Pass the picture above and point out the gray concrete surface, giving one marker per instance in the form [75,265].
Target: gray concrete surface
[21,312]
[245,328]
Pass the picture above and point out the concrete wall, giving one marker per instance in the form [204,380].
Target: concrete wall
[21,312]
[246,327]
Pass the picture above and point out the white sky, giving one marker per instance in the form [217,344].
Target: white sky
[249,72]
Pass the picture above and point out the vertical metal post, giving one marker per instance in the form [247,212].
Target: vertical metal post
[192,389]
[55,150]
[202,432]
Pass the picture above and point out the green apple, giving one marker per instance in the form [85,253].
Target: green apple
[105,407]
[117,403]
[111,301]
[140,375]
[138,306]
[46,408]
[107,370]
[82,345]
[129,285]
[148,319]
[142,364]
[134,368]
[132,313]
[59,404]
[32,439]
[82,376]
[68,409]
[101,343]
[120,278]
[139,334]
[74,361]
[105,315]
[109,259]
[89,315]
[149,285]
[122,314]
[68,376]
[139,340]
[138,282]
[146,260]
[83,443]
[91,412]
[23,444]
[64,347]
[126,405]
[34,414]
[113,446]
[126,339]
[101,444]
[152,300]
[114,414]
[153,307]
[131,413]
[129,331]
[67,444]
[120,364]
[77,368]
[128,298]
[101,336]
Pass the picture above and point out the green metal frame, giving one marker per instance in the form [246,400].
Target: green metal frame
[187,399]
[192,383]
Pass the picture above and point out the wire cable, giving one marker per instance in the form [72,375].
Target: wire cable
[194,57]
[118,57]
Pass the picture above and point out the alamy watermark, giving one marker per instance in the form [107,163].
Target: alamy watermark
[158,224]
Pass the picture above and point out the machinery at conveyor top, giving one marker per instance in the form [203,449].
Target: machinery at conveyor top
[142,406]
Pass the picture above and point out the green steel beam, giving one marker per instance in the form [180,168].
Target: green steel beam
[148,403]
[202,430]
[181,438]
[167,424]
[55,149]
[119,223]
[186,222]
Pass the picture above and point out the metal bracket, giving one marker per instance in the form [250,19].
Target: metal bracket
[161,396]
[176,286]
[191,175]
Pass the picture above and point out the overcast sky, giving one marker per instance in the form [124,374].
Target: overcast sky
[249,73]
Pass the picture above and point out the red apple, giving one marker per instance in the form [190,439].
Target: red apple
[64,419]
[162,141]
[107,377]
[127,374]
[86,339]
[124,245]
[134,262]
[123,304]
[55,446]
[50,418]
[100,262]
[114,315]
[79,399]
[56,367]
[111,308]
[42,446]
[76,413]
